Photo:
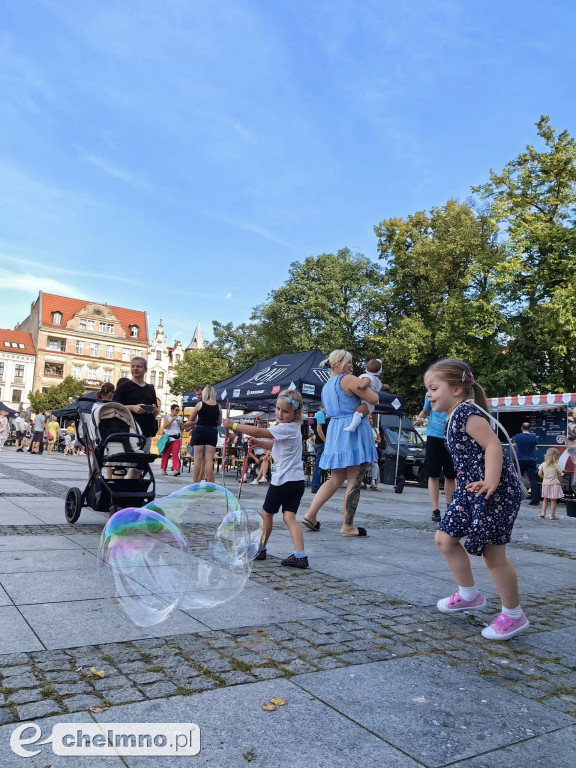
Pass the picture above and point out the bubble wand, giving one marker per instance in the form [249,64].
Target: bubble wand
[225,444]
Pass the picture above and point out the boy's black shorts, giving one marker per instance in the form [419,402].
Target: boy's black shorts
[438,458]
[288,496]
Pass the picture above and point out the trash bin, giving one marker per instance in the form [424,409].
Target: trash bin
[571,507]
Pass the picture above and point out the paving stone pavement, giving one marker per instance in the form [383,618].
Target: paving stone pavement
[356,648]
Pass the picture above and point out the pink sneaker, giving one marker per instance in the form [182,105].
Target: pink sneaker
[456,603]
[503,627]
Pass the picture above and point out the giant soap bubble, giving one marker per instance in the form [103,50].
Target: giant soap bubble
[192,549]
[143,564]
[223,539]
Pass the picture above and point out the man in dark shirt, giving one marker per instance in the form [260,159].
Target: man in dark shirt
[526,443]
[140,398]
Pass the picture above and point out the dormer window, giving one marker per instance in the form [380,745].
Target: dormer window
[134,331]
[56,318]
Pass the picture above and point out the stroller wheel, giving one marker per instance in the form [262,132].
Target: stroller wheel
[73,505]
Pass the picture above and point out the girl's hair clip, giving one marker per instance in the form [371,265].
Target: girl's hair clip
[294,403]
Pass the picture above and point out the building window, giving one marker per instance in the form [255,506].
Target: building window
[16,395]
[161,379]
[135,353]
[79,347]
[108,375]
[158,355]
[56,318]
[92,373]
[87,325]
[134,331]
[56,345]
[102,327]
[109,351]
[153,378]
[1,370]
[94,349]
[124,374]
[44,390]
[176,358]
[77,372]
[18,374]
[126,355]
[54,369]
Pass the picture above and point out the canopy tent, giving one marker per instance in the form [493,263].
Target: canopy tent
[257,388]
[10,411]
[83,403]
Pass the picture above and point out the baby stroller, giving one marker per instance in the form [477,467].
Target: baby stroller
[120,473]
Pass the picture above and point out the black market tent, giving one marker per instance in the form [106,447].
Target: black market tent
[10,411]
[258,387]
[83,403]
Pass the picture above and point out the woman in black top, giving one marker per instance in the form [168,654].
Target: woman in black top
[209,417]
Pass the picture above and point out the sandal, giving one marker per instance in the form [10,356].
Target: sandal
[361,534]
[311,526]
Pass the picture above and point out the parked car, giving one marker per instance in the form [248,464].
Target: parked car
[412,451]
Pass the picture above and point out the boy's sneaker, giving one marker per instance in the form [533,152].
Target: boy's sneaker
[503,627]
[295,562]
[436,516]
[254,482]
[456,603]
[261,555]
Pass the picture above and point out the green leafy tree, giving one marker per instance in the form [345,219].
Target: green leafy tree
[441,293]
[534,200]
[329,302]
[199,368]
[57,396]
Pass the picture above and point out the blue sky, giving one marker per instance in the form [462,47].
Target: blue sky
[177,156]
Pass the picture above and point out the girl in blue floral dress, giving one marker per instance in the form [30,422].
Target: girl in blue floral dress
[485,503]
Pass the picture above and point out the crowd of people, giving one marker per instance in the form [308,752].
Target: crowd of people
[482,487]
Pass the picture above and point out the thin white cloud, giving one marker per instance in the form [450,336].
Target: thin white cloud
[258,231]
[33,283]
[118,173]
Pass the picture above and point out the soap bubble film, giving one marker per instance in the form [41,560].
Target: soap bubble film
[143,565]
[222,538]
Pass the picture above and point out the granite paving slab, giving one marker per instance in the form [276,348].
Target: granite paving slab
[46,757]
[433,712]
[59,586]
[254,606]
[4,598]
[552,750]
[16,635]
[18,516]
[234,730]
[35,543]
[46,560]
[91,622]
[49,515]
[352,567]
[415,588]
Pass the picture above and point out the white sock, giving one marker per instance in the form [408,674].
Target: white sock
[512,613]
[468,593]
[353,426]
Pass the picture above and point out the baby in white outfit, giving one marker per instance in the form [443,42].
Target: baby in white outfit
[369,379]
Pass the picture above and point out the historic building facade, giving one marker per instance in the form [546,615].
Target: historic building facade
[162,359]
[90,341]
[17,361]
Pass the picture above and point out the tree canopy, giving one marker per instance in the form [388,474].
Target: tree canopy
[57,396]
[198,368]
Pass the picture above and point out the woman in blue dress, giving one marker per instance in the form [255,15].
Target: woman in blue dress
[346,454]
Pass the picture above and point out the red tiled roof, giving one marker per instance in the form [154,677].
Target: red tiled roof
[16,337]
[69,307]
